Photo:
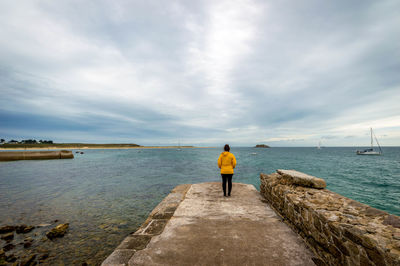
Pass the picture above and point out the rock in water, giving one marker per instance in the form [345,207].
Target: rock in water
[11,258]
[28,242]
[29,261]
[2,254]
[8,247]
[8,236]
[43,257]
[58,231]
[23,229]
[43,225]
[261,146]
[6,229]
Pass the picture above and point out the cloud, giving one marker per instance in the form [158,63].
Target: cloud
[203,72]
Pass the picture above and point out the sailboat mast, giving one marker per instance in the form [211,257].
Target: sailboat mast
[377,142]
[371,138]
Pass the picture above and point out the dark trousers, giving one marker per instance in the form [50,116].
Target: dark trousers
[226,177]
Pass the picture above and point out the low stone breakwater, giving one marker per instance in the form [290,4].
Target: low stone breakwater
[35,155]
[339,230]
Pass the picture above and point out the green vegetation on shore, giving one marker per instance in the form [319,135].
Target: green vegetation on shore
[80,146]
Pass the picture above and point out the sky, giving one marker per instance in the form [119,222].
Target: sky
[203,73]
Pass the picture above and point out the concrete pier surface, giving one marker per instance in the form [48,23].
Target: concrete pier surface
[210,229]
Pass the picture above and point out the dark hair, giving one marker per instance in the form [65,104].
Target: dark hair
[226,147]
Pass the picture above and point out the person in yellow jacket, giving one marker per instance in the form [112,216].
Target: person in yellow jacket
[226,162]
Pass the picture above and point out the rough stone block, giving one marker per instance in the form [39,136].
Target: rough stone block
[353,260]
[318,261]
[163,215]
[365,261]
[155,227]
[136,242]
[368,242]
[334,251]
[301,179]
[393,221]
[376,256]
[119,257]
[353,235]
[374,212]
[181,188]
[317,224]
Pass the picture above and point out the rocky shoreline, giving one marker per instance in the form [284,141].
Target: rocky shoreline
[21,244]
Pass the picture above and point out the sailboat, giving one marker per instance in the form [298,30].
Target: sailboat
[179,146]
[319,145]
[371,151]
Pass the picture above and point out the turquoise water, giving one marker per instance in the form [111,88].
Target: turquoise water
[106,194]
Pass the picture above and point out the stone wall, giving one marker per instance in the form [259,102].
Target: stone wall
[35,155]
[339,230]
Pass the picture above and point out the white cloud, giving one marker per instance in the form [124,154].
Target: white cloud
[218,44]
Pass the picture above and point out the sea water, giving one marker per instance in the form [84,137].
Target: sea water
[106,194]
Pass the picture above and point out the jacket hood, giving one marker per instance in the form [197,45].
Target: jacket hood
[225,153]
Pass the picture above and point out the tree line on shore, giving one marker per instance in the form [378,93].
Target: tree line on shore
[26,141]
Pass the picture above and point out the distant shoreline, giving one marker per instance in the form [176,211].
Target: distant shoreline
[115,147]
[55,147]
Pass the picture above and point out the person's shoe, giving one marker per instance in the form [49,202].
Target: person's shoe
[229,195]
[224,195]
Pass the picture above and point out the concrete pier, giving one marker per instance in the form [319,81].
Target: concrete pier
[197,225]
[35,155]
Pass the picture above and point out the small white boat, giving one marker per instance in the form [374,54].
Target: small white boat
[179,146]
[371,151]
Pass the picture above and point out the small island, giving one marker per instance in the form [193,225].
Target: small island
[261,146]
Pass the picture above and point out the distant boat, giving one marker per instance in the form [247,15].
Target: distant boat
[179,146]
[371,151]
[319,145]
[253,153]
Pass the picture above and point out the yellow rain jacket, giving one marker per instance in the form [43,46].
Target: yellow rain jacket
[226,162]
